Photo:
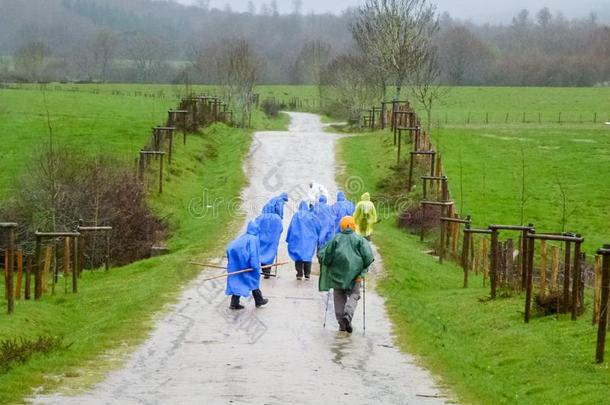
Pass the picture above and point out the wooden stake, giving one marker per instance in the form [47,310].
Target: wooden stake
[456,239]
[75,266]
[566,277]
[542,267]
[6,275]
[48,258]
[597,286]
[19,274]
[603,320]
[28,274]
[485,260]
[554,267]
[66,266]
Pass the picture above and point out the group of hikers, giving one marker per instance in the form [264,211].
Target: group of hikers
[337,234]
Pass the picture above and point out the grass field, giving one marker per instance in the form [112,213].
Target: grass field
[482,350]
[113,311]
[485,162]
[94,123]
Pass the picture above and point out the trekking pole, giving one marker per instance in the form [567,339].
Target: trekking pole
[363,305]
[326,310]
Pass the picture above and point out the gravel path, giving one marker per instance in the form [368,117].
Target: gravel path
[202,353]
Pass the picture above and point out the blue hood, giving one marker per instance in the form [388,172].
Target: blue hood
[243,253]
[253,228]
[303,234]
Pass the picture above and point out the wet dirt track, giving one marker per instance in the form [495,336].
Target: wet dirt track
[202,353]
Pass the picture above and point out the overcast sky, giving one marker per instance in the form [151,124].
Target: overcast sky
[476,10]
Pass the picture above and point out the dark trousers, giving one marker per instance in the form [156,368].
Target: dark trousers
[257,294]
[303,268]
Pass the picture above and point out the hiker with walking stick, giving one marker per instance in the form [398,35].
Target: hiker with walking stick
[343,263]
[243,253]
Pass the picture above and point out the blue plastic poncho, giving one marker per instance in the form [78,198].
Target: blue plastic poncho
[243,253]
[325,215]
[342,208]
[303,234]
[271,228]
[276,204]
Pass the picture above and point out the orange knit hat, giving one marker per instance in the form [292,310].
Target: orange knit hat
[347,222]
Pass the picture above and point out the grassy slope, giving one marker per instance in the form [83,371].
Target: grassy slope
[481,349]
[113,311]
[116,124]
[115,308]
[92,123]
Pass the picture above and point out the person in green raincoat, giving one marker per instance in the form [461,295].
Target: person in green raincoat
[365,216]
[343,263]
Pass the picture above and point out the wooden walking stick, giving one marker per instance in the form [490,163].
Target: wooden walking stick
[237,272]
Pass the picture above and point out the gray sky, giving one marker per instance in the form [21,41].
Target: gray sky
[476,10]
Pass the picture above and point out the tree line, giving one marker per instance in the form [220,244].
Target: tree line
[151,41]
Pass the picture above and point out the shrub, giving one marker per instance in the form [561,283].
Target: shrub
[21,350]
[63,186]
[270,108]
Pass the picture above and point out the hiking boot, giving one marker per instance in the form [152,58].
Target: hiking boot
[348,325]
[262,302]
[235,303]
[259,301]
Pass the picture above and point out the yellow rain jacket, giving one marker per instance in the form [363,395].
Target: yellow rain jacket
[365,216]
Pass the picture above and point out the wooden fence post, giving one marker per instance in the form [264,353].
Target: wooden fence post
[19,274]
[566,277]
[576,279]
[37,270]
[494,262]
[28,278]
[597,285]
[529,276]
[542,266]
[605,290]
[10,271]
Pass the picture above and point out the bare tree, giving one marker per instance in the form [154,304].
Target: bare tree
[30,60]
[310,62]
[462,55]
[104,47]
[239,68]
[426,86]
[148,53]
[351,83]
[393,35]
